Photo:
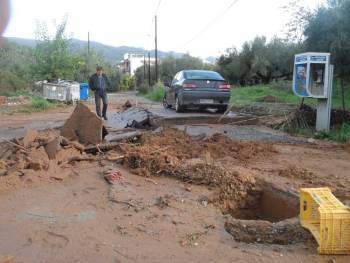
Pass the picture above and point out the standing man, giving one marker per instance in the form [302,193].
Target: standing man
[98,83]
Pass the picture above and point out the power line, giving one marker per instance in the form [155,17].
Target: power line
[212,22]
[157,8]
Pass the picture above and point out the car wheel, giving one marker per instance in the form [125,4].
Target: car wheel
[165,103]
[178,106]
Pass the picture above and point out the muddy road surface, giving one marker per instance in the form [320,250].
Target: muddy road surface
[187,191]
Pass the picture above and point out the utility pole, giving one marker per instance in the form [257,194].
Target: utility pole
[156,46]
[88,56]
[149,70]
[144,66]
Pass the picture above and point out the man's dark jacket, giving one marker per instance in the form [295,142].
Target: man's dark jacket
[93,82]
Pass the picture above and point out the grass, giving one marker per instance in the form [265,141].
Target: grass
[36,103]
[339,133]
[247,95]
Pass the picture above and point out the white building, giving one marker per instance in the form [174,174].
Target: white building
[132,62]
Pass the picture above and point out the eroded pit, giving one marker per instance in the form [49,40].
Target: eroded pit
[269,215]
[270,204]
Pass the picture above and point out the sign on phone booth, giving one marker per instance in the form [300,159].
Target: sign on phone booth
[313,77]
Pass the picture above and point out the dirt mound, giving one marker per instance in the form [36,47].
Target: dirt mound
[295,172]
[174,153]
[165,152]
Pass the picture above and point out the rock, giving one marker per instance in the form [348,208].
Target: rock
[34,165]
[84,126]
[52,147]
[30,137]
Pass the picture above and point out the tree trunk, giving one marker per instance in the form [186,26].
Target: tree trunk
[342,91]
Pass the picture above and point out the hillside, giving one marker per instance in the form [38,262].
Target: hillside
[111,53]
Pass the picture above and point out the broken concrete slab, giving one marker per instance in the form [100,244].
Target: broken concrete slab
[52,147]
[84,126]
[133,117]
[30,137]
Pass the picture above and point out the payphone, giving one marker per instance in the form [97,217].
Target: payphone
[313,77]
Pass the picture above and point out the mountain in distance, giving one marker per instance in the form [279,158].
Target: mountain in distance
[112,54]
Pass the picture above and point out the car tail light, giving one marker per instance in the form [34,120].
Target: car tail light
[225,86]
[188,85]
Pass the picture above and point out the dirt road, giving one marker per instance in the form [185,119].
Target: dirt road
[15,124]
[83,219]
[191,193]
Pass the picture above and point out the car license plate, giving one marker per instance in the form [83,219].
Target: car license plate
[206,101]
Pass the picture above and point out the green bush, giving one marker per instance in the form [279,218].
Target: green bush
[38,104]
[127,83]
[143,89]
[157,92]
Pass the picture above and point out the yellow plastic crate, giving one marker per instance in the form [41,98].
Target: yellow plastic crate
[327,219]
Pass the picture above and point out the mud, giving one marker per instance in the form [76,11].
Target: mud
[175,154]
[282,233]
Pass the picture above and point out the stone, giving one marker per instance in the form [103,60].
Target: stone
[30,137]
[52,147]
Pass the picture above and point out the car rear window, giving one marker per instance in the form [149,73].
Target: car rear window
[203,75]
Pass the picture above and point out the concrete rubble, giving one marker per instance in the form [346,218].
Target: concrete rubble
[84,126]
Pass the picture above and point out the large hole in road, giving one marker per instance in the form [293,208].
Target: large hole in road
[268,215]
[269,204]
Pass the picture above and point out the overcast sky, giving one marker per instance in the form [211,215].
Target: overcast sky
[180,22]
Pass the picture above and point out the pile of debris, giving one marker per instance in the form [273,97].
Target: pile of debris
[165,152]
[198,161]
[51,153]
[305,117]
[14,101]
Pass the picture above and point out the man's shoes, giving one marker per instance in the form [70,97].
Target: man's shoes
[105,117]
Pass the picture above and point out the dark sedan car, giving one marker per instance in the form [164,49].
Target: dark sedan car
[197,88]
